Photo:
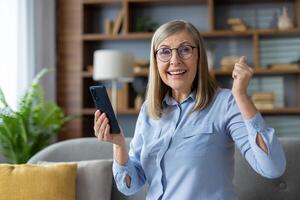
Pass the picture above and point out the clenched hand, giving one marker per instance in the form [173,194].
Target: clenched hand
[241,75]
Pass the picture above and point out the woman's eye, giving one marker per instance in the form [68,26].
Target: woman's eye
[165,51]
[184,49]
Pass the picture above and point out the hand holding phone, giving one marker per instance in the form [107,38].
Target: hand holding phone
[103,104]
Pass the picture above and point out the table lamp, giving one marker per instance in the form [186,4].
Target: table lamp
[115,66]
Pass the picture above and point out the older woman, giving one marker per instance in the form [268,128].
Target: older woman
[184,139]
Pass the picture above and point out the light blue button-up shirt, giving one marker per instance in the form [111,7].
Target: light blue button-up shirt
[189,155]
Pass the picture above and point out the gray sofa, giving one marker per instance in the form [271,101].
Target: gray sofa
[249,185]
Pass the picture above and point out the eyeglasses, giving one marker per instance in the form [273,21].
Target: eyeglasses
[164,54]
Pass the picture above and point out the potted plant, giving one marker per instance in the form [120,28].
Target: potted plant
[145,24]
[32,126]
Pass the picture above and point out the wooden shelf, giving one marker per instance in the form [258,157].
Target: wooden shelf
[86,74]
[208,34]
[226,2]
[274,32]
[146,2]
[167,2]
[258,71]
[226,33]
[129,111]
[93,2]
[276,71]
[251,32]
[81,26]
[280,111]
[131,36]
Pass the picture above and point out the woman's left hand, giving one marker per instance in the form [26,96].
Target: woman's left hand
[241,75]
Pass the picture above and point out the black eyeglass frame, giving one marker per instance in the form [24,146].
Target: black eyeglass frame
[193,47]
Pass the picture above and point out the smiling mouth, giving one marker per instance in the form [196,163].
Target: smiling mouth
[176,72]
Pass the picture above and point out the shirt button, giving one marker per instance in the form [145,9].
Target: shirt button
[282,185]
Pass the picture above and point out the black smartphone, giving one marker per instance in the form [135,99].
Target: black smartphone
[103,104]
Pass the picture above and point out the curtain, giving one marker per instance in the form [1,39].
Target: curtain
[28,44]
[44,42]
[37,44]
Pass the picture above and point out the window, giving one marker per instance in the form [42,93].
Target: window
[9,49]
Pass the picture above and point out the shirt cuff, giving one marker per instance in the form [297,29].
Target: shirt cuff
[256,125]
[120,168]
[120,172]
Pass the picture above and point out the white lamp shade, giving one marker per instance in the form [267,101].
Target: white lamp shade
[112,64]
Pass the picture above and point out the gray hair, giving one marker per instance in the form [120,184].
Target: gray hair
[204,84]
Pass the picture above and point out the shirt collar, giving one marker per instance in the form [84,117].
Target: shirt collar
[169,100]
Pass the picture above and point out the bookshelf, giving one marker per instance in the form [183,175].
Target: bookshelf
[81,30]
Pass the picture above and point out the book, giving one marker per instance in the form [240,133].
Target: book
[228,62]
[234,21]
[108,26]
[264,106]
[118,22]
[263,96]
[273,84]
[239,27]
[237,24]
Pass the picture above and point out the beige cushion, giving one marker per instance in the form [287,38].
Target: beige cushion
[94,179]
[36,182]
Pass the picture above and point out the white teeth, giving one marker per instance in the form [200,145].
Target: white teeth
[176,72]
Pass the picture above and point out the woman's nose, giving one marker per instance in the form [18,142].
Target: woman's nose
[175,59]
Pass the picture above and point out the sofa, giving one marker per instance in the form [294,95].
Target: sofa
[249,185]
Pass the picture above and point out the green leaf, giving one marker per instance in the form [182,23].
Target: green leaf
[32,126]
[3,104]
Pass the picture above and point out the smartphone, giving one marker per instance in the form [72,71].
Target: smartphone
[103,104]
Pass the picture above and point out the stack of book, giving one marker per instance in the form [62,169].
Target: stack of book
[237,24]
[141,67]
[228,62]
[263,100]
[274,84]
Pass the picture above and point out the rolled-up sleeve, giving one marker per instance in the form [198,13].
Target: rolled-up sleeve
[132,167]
[244,133]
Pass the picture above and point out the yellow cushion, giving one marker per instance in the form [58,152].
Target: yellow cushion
[38,182]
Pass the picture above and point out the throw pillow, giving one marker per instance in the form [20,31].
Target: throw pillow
[94,179]
[36,182]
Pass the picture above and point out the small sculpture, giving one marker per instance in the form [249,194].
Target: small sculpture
[284,21]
